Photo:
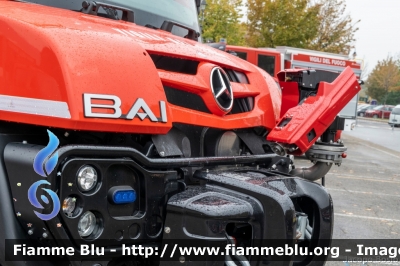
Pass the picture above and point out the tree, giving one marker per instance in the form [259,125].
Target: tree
[285,22]
[384,78]
[393,98]
[221,19]
[376,93]
[336,30]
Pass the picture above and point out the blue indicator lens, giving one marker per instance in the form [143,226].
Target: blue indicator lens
[124,196]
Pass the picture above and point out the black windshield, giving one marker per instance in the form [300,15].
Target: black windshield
[146,12]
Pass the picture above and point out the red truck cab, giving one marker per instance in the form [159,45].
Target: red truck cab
[265,58]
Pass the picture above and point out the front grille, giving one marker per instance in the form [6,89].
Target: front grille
[236,76]
[242,105]
[186,99]
[187,66]
[195,102]
[173,64]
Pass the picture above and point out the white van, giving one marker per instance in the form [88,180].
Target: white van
[394,119]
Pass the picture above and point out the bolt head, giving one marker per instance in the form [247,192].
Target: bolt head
[30,232]
[19,214]
[167,230]
[19,184]
[162,154]
[45,235]
[182,259]
[70,184]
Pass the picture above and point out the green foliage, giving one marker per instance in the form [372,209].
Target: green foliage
[285,22]
[336,29]
[221,20]
[313,24]
[384,78]
[376,93]
[393,98]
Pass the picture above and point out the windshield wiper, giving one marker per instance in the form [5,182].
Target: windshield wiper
[92,8]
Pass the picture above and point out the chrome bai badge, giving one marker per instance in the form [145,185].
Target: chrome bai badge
[45,162]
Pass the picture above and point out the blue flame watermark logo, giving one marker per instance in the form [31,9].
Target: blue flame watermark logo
[44,163]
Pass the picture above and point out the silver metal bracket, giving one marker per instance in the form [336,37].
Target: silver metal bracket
[331,153]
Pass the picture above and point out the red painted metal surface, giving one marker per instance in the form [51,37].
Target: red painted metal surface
[316,113]
[326,61]
[290,96]
[252,55]
[58,55]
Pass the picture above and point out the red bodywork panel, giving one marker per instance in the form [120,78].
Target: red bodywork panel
[316,113]
[253,53]
[290,96]
[50,57]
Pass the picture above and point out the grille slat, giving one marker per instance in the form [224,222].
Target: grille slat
[186,99]
[236,76]
[242,105]
[173,64]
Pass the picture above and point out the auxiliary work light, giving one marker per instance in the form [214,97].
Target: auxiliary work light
[86,224]
[87,178]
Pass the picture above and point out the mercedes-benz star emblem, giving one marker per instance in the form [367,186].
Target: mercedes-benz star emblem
[221,88]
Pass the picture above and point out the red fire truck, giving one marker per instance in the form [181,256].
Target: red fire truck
[120,130]
[273,60]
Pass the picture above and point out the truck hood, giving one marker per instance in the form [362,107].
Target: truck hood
[85,72]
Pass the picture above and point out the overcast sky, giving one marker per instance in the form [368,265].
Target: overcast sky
[379,30]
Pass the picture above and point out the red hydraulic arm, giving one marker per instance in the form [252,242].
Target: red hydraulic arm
[301,125]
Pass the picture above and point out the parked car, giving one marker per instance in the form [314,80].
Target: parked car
[394,119]
[361,105]
[380,111]
[362,109]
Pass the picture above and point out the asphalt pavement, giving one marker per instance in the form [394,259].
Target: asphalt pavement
[377,132]
[366,188]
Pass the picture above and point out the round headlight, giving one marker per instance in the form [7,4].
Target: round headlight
[68,205]
[86,224]
[87,178]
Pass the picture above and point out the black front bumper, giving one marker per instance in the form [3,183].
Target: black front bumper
[266,201]
[243,194]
